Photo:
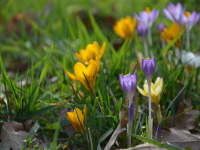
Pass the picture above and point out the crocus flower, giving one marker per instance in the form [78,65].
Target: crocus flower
[174,12]
[86,75]
[128,82]
[91,52]
[190,59]
[148,16]
[142,29]
[128,85]
[125,27]
[156,89]
[77,119]
[169,34]
[161,26]
[148,67]
[190,19]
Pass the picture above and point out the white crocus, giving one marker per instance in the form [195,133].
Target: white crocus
[156,90]
[190,59]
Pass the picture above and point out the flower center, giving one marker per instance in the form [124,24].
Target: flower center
[127,74]
[148,10]
[146,58]
[187,14]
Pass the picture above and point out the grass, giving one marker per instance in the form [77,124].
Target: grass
[36,51]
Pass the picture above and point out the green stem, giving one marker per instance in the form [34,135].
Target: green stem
[187,39]
[150,118]
[145,48]
[149,36]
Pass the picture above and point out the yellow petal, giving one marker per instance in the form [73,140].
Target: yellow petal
[142,91]
[103,49]
[71,76]
[77,119]
[145,87]
[79,69]
[91,74]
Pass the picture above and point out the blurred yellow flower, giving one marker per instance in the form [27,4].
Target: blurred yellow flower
[91,52]
[125,27]
[77,118]
[169,34]
[86,75]
[156,90]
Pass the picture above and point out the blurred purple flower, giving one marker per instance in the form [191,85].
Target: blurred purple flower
[130,113]
[128,82]
[148,67]
[174,12]
[159,132]
[147,17]
[161,26]
[190,19]
[142,29]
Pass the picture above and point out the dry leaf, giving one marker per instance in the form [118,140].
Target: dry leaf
[12,135]
[145,146]
[181,138]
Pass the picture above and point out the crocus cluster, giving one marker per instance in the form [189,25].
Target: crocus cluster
[178,14]
[86,73]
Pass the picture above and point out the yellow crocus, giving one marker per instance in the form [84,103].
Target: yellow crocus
[169,34]
[92,51]
[125,27]
[86,74]
[77,118]
[156,89]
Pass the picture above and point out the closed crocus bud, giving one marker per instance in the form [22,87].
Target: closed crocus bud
[148,67]
[142,29]
[161,26]
[128,82]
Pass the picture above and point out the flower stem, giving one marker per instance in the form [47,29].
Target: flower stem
[187,38]
[130,123]
[145,48]
[149,36]
[150,119]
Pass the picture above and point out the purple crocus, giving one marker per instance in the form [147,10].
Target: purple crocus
[174,12]
[190,19]
[148,16]
[148,67]
[128,82]
[142,29]
[161,26]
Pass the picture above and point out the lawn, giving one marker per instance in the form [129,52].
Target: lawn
[84,74]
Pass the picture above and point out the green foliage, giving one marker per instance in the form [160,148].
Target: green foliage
[34,85]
